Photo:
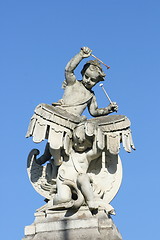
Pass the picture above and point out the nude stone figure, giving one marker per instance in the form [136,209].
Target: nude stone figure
[72,177]
[78,94]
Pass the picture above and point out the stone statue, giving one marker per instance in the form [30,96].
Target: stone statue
[78,94]
[83,166]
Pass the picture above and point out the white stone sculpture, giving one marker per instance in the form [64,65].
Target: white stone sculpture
[83,164]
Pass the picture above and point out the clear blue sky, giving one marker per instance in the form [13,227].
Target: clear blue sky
[37,38]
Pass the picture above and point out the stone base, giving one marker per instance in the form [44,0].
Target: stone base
[72,224]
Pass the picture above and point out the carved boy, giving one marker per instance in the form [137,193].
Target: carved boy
[78,94]
[73,174]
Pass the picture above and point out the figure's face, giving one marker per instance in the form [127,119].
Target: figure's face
[81,146]
[82,142]
[90,78]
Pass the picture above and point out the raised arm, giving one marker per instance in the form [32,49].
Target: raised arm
[94,152]
[73,63]
[95,111]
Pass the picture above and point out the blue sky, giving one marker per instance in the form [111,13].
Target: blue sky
[37,39]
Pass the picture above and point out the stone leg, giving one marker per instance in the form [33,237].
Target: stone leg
[63,193]
[83,181]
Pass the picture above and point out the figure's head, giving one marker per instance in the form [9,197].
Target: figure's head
[92,73]
[82,146]
[81,142]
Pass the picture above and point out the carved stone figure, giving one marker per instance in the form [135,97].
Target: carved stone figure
[83,167]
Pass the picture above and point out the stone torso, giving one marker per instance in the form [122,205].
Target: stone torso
[76,98]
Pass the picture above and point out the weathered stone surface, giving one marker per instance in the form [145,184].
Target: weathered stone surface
[81,155]
[82,165]
[72,224]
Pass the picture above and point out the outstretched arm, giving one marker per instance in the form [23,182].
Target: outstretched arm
[95,111]
[73,63]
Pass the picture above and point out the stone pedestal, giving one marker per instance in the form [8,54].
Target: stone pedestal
[72,224]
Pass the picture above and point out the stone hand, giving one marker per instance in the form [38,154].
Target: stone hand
[113,107]
[85,52]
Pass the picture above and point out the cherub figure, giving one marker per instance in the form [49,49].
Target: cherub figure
[73,181]
[73,171]
[78,94]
